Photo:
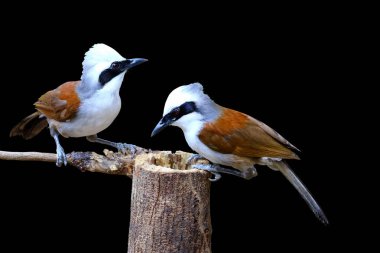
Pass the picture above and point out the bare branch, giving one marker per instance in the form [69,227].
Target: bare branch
[110,162]
[28,156]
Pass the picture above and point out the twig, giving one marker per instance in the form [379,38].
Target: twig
[28,156]
[110,162]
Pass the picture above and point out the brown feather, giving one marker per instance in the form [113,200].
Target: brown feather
[239,134]
[30,126]
[60,104]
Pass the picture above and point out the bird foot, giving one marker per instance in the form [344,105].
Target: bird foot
[216,169]
[61,157]
[193,159]
[249,174]
[126,148]
[210,168]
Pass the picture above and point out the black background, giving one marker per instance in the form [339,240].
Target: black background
[277,66]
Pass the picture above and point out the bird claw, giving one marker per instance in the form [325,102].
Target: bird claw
[216,175]
[193,159]
[207,167]
[126,148]
[216,169]
[210,168]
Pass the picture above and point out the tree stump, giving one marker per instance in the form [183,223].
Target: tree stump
[170,207]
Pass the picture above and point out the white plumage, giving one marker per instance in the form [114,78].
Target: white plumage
[82,108]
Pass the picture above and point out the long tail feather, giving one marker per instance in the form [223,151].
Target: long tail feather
[29,126]
[301,188]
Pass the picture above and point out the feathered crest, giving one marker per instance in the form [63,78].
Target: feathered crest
[186,93]
[192,88]
[100,53]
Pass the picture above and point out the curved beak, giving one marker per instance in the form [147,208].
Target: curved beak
[133,62]
[159,127]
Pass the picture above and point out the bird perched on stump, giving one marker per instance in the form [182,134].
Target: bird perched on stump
[82,108]
[231,138]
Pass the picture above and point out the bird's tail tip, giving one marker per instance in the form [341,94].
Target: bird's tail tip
[322,217]
[301,188]
[29,127]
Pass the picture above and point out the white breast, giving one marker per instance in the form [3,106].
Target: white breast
[94,115]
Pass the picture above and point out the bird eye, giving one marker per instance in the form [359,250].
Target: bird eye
[175,112]
[115,65]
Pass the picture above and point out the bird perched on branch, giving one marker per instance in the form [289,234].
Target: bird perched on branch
[231,138]
[82,108]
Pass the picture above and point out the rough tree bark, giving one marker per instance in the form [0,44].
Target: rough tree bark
[170,207]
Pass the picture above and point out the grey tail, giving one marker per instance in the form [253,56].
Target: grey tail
[29,126]
[301,188]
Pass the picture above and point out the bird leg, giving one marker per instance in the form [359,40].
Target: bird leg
[61,156]
[121,147]
[216,169]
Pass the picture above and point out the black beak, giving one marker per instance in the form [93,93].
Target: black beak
[130,63]
[160,126]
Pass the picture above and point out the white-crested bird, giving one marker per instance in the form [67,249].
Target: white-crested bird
[82,108]
[231,138]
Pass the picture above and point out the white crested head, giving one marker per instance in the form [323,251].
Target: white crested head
[205,108]
[100,53]
[188,108]
[99,57]
[186,93]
